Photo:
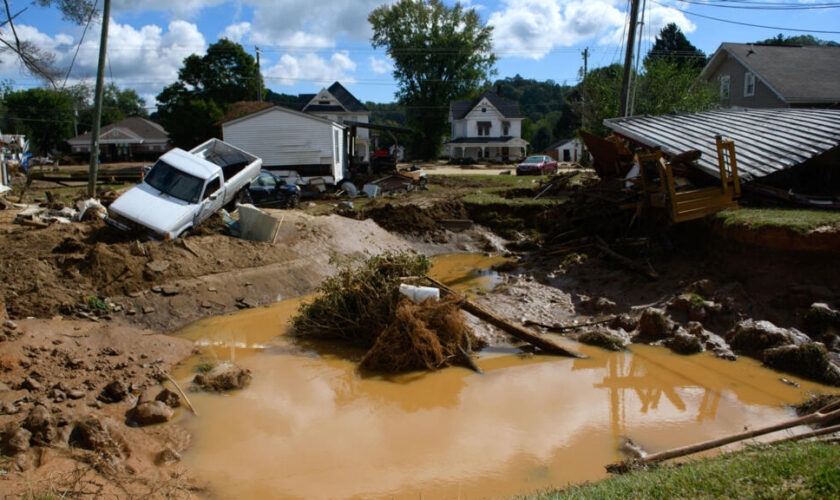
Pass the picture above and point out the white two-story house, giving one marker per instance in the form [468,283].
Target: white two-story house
[486,128]
[336,103]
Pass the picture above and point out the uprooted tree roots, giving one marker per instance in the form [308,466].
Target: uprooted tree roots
[363,306]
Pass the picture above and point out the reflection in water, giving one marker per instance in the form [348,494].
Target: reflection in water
[310,426]
[467,272]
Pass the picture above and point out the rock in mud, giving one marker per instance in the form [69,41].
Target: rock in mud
[16,441]
[711,341]
[809,360]
[822,322]
[151,412]
[683,342]
[31,384]
[704,287]
[223,377]
[752,336]
[654,325]
[114,392]
[625,322]
[602,339]
[91,434]
[40,423]
[167,456]
[169,398]
[594,305]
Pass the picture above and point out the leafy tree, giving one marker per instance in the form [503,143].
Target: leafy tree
[440,54]
[804,40]
[672,44]
[598,97]
[390,112]
[206,87]
[285,100]
[45,116]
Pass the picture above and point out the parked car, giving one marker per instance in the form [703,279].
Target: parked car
[184,188]
[271,190]
[537,165]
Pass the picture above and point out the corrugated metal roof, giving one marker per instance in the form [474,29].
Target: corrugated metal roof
[766,140]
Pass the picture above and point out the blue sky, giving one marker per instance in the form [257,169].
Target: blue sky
[307,45]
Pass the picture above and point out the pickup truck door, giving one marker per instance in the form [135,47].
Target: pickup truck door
[211,200]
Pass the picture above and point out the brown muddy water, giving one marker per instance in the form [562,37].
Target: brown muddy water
[310,426]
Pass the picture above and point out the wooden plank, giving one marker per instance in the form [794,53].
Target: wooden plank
[718,200]
[698,194]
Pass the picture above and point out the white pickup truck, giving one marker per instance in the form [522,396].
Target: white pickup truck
[184,188]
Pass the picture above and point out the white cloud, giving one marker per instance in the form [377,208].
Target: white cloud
[532,28]
[380,66]
[656,18]
[236,32]
[291,70]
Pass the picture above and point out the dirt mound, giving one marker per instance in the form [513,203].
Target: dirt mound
[415,219]
[423,336]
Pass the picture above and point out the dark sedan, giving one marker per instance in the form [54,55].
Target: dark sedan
[271,190]
[537,165]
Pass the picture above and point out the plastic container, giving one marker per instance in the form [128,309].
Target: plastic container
[419,293]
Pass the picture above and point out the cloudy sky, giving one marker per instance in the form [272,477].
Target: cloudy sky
[307,45]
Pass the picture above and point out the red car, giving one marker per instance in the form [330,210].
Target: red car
[537,165]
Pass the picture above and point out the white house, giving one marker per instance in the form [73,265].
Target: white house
[488,127]
[291,143]
[567,150]
[336,103]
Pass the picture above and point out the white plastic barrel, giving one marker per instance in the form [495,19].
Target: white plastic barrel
[419,293]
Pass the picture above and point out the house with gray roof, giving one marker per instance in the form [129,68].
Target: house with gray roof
[487,127]
[133,138]
[336,103]
[775,76]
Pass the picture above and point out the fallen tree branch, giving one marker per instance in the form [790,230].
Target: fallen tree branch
[517,331]
[647,271]
[180,391]
[469,361]
[826,413]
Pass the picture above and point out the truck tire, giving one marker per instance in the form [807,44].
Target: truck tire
[294,201]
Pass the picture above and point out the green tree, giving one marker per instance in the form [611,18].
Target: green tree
[672,44]
[598,97]
[285,100]
[440,54]
[206,87]
[804,40]
[44,116]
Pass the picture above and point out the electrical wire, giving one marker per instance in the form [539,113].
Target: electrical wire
[747,24]
[81,39]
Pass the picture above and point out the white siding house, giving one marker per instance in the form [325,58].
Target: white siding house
[337,104]
[291,143]
[488,127]
[567,150]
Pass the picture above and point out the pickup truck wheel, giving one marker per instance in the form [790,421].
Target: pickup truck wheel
[294,201]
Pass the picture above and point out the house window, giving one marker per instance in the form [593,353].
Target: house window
[483,110]
[724,87]
[484,128]
[749,84]
[505,128]
[323,101]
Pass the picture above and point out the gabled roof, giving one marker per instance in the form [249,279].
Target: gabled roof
[135,125]
[798,75]
[766,140]
[283,109]
[561,143]
[508,109]
[348,101]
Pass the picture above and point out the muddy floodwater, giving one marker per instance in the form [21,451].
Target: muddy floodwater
[310,426]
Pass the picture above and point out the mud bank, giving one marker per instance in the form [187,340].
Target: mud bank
[821,240]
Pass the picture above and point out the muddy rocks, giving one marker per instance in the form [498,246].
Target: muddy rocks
[809,360]
[822,322]
[752,336]
[90,434]
[167,456]
[41,424]
[29,383]
[654,325]
[16,441]
[223,377]
[150,412]
[114,392]
[169,398]
[594,305]
[711,341]
[683,342]
[602,339]
[625,322]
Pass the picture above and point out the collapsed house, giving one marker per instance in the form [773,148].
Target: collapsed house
[790,154]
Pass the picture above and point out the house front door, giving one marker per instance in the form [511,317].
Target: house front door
[505,154]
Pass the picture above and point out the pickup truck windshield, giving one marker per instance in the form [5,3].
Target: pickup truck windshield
[169,180]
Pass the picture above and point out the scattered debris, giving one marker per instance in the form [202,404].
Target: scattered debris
[223,377]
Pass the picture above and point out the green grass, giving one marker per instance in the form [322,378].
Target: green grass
[483,197]
[800,220]
[792,470]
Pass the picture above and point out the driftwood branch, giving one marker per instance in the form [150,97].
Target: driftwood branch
[180,391]
[515,330]
[647,271]
[824,414]
[469,361]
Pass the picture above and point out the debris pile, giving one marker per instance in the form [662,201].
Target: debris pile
[363,306]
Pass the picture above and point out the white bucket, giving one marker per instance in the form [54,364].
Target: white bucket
[419,293]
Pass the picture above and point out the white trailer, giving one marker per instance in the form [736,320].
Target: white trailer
[299,146]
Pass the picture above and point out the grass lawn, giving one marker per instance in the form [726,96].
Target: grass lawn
[800,220]
[791,470]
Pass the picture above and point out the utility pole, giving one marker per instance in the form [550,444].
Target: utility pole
[632,105]
[259,75]
[585,55]
[97,101]
[628,59]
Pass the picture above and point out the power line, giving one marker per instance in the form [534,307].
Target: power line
[755,6]
[748,24]
[79,46]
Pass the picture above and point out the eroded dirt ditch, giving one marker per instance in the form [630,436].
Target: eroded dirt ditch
[311,426]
